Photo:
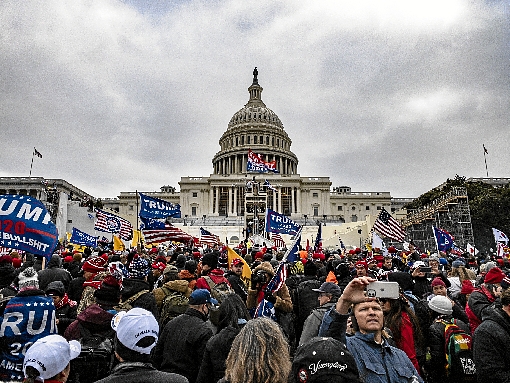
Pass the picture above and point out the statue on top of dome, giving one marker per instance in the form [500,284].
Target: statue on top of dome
[255,74]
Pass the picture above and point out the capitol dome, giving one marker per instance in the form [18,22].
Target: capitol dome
[258,128]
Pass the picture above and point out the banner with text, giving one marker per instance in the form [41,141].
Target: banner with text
[26,225]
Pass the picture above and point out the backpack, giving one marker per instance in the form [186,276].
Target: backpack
[128,303]
[459,353]
[174,304]
[96,358]
[219,292]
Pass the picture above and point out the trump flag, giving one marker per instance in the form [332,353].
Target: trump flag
[26,225]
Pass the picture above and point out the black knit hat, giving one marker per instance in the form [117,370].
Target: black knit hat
[211,260]
[108,292]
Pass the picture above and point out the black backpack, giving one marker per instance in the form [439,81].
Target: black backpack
[96,359]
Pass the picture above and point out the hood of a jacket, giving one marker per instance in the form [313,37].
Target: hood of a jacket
[94,314]
[179,285]
[265,266]
[55,261]
[496,314]
[131,286]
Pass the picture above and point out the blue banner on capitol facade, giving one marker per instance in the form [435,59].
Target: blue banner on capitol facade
[81,238]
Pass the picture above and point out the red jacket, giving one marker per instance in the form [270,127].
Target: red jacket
[217,277]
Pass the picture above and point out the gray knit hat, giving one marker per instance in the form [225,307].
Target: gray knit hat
[441,305]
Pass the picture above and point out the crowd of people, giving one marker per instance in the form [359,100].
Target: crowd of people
[184,315]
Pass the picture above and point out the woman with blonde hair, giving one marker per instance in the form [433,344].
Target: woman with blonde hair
[259,354]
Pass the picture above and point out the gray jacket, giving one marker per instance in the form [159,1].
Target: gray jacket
[313,322]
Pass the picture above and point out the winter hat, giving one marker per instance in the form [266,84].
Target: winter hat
[434,257]
[437,282]
[323,360]
[494,276]
[108,292]
[159,266]
[28,278]
[505,283]
[50,355]
[139,267]
[94,265]
[417,264]
[136,329]
[180,261]
[55,288]
[16,263]
[441,304]
[467,287]
[201,296]
[5,259]
[310,269]
[210,259]
[362,264]
[171,269]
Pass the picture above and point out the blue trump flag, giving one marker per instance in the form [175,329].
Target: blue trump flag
[80,238]
[151,224]
[26,225]
[151,207]
[279,223]
[444,240]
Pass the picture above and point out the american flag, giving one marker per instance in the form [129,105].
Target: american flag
[388,226]
[278,240]
[168,233]
[207,238]
[112,223]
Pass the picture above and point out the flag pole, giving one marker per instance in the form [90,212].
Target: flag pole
[32,163]
[139,238]
[485,159]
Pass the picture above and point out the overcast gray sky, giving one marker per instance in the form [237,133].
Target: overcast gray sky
[378,95]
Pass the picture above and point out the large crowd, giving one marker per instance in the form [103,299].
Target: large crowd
[177,314]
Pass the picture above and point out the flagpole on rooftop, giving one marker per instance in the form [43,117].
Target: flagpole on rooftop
[485,159]
[32,163]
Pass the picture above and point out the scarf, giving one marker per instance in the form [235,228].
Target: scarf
[65,301]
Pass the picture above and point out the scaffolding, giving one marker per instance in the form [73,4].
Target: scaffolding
[449,212]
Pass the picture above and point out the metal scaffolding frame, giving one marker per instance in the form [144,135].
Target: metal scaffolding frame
[449,212]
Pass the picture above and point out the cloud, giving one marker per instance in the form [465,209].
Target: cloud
[379,95]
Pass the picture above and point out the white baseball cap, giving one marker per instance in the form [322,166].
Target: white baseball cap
[51,355]
[137,329]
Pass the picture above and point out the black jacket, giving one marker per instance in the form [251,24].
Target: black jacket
[212,368]
[135,372]
[436,342]
[53,272]
[237,284]
[131,286]
[76,289]
[491,347]
[181,345]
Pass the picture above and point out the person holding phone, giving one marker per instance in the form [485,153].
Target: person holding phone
[376,360]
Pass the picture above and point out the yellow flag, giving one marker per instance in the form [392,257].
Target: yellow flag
[246,275]
[118,245]
[136,238]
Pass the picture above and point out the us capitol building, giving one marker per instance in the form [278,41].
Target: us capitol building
[226,197]
[232,200]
